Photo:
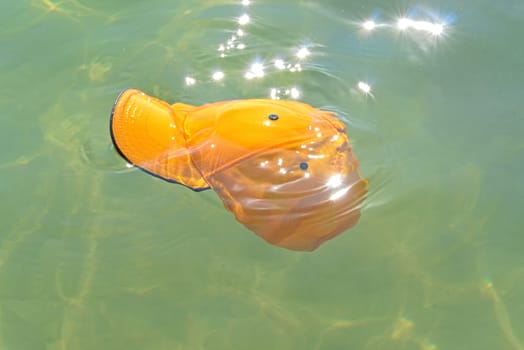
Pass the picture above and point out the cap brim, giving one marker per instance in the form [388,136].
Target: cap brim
[143,130]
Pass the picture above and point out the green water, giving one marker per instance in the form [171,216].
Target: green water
[94,255]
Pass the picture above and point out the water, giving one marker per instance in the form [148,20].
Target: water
[96,255]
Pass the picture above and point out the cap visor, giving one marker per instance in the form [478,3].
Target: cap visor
[144,132]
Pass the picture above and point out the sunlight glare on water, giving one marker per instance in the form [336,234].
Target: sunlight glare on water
[95,254]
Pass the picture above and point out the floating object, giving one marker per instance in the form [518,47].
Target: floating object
[285,169]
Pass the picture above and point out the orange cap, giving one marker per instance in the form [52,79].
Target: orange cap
[285,169]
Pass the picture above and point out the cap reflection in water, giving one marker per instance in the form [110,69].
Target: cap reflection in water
[286,170]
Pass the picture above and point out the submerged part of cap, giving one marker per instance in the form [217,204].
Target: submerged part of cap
[148,133]
[296,198]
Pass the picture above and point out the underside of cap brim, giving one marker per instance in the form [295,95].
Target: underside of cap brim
[144,132]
